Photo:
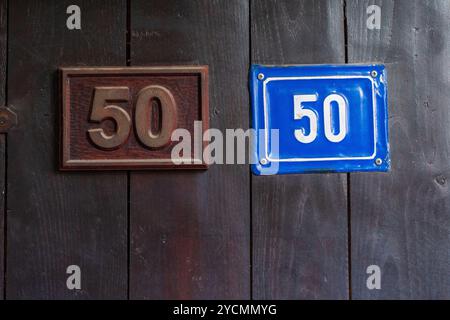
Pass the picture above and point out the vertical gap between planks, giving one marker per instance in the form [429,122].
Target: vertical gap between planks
[250,172]
[349,204]
[344,7]
[349,236]
[128,63]
[5,177]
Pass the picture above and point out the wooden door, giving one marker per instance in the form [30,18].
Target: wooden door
[223,233]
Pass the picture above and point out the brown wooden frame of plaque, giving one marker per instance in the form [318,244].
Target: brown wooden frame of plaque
[67,164]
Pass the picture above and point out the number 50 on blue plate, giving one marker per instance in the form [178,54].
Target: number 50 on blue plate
[324,118]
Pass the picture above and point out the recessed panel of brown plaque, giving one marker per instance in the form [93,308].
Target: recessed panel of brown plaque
[125,118]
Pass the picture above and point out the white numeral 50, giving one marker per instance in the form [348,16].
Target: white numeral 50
[300,112]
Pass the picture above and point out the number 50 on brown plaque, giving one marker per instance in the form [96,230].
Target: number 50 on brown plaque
[123,118]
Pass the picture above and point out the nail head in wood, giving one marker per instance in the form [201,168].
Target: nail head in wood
[8,119]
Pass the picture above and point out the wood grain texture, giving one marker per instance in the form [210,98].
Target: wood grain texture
[299,221]
[400,220]
[188,85]
[2,212]
[190,230]
[58,219]
[3,58]
[3,48]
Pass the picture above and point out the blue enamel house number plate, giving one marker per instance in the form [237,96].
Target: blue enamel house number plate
[324,118]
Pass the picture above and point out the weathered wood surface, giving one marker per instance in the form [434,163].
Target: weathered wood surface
[299,221]
[3,48]
[58,219]
[400,220]
[3,41]
[190,231]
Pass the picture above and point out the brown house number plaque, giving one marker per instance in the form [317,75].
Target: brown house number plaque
[123,118]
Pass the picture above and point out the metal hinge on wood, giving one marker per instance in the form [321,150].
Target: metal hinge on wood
[8,119]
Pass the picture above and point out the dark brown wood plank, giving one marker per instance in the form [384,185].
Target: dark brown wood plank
[400,220]
[57,219]
[190,230]
[299,221]
[3,48]
[3,42]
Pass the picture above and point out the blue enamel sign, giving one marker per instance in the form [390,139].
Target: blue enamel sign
[324,118]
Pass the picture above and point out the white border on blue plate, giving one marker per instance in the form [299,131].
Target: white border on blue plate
[266,122]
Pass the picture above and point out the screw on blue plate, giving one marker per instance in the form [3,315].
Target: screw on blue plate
[319,118]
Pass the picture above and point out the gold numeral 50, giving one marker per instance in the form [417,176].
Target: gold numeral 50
[105,107]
